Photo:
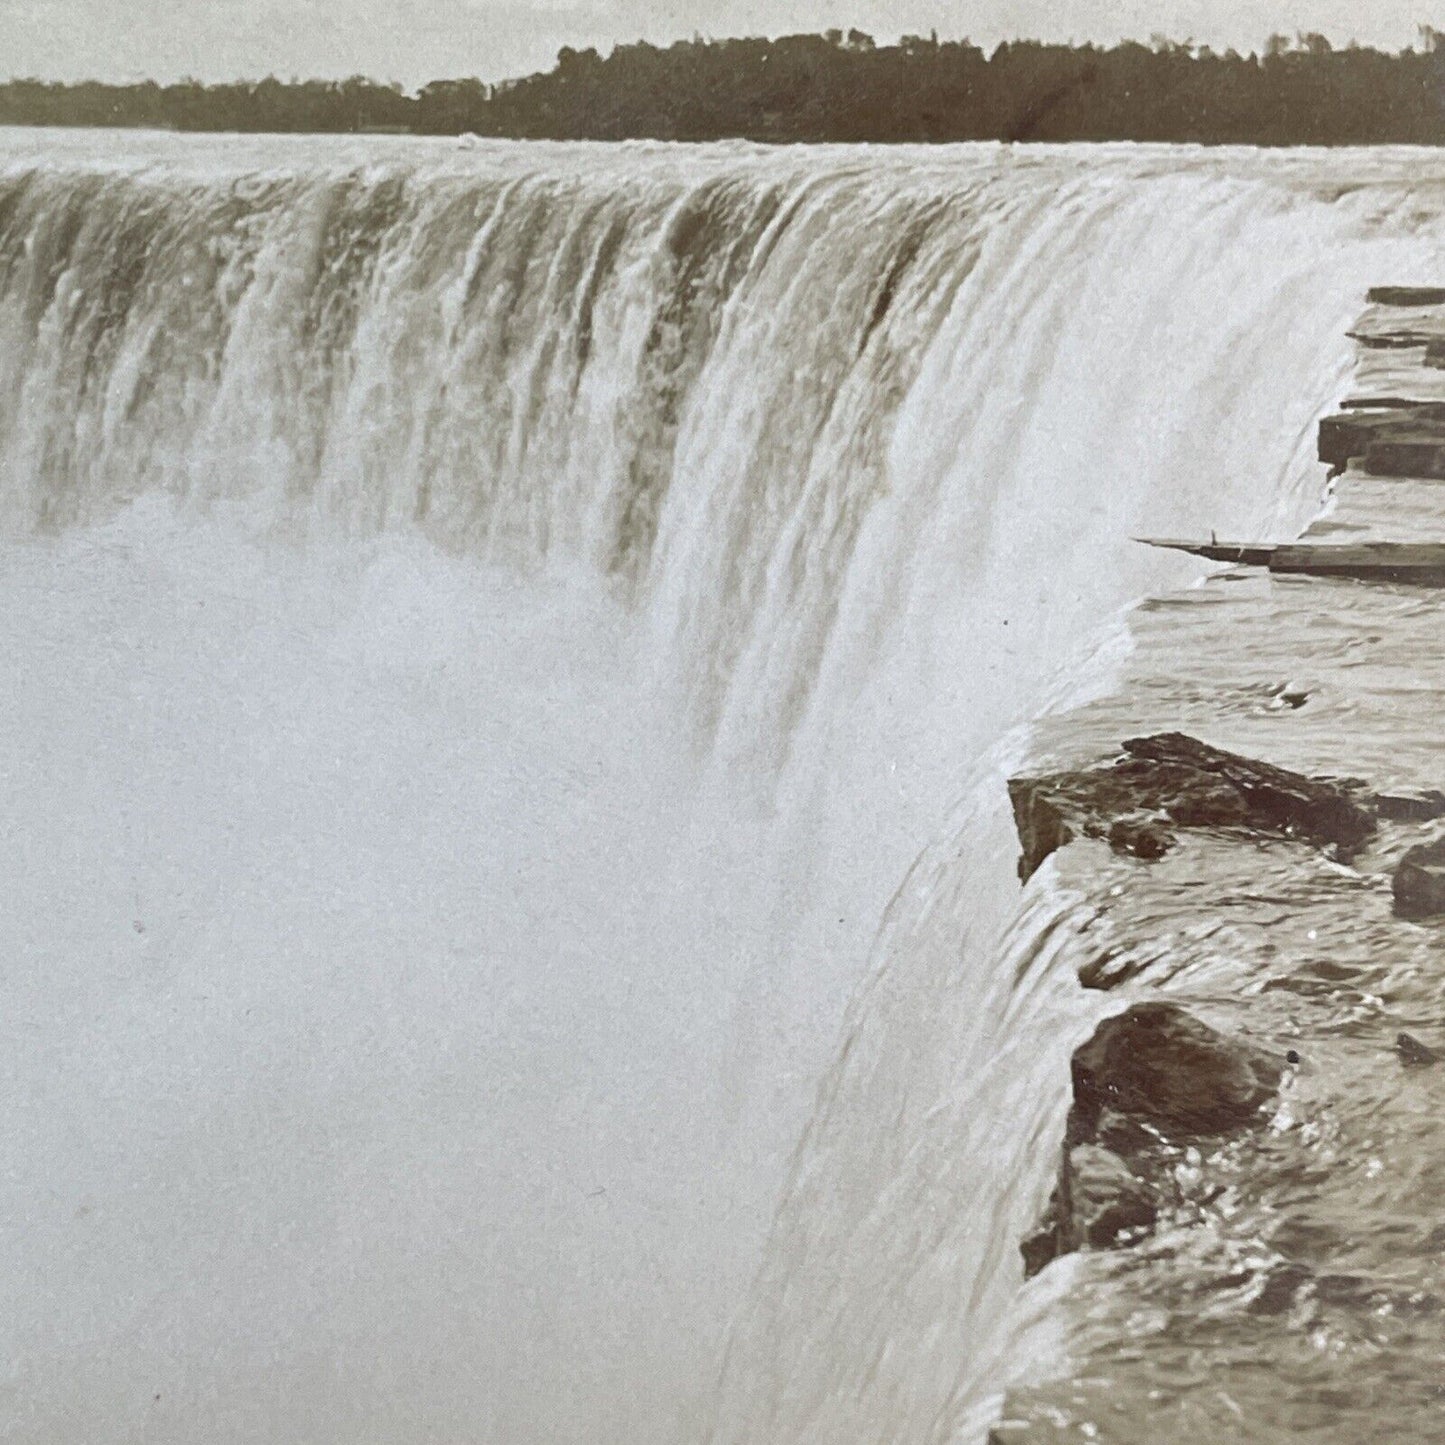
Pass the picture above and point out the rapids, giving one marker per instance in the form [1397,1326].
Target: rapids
[510,661]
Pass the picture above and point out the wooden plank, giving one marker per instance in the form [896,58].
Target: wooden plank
[1240,553]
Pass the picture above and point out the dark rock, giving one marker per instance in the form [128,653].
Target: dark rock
[1099,1202]
[1281,1289]
[1391,437]
[1413,1053]
[1156,1063]
[1343,437]
[1141,838]
[1292,1056]
[1040,823]
[1407,454]
[1406,296]
[1422,807]
[1419,885]
[1106,1199]
[1311,807]
[1414,564]
[1044,1247]
[1394,438]
[1152,1080]
[1172,779]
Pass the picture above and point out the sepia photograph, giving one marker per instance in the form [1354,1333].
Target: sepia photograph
[722,725]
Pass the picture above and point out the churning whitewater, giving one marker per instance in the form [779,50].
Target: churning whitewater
[511,656]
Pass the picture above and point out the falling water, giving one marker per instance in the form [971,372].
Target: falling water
[513,655]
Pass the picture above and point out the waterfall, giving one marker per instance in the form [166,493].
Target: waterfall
[515,655]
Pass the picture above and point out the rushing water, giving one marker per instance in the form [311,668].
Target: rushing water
[512,657]
[1298,1292]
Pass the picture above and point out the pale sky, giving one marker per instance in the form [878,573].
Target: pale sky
[416,40]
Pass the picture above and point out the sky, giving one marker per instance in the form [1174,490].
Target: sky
[412,41]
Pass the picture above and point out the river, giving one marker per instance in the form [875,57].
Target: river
[513,654]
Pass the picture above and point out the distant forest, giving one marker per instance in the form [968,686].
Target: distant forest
[835,87]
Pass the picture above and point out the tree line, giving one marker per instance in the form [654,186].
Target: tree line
[834,87]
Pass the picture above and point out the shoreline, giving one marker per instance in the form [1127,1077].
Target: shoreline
[1207,1226]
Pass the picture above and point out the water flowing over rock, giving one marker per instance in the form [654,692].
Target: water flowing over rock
[1287,1205]
[1419,885]
[570,586]
[1413,1053]
[1157,1065]
[1151,1081]
[1171,781]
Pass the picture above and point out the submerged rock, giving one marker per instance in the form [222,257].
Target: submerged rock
[1099,1202]
[1287,1284]
[1106,1198]
[1420,881]
[1152,1080]
[1281,1289]
[1169,781]
[1413,1053]
[1141,837]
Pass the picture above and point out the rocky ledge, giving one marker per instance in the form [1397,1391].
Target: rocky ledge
[1151,1082]
[1298,1243]
[1167,783]
[1155,1080]
[1171,781]
[1392,438]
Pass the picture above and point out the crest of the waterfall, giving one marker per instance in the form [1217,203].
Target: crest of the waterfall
[607,574]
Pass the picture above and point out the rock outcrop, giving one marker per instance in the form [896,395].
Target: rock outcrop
[1151,1082]
[1405,296]
[1158,1065]
[1394,438]
[1171,781]
[1413,1053]
[1165,1107]
[1420,881]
